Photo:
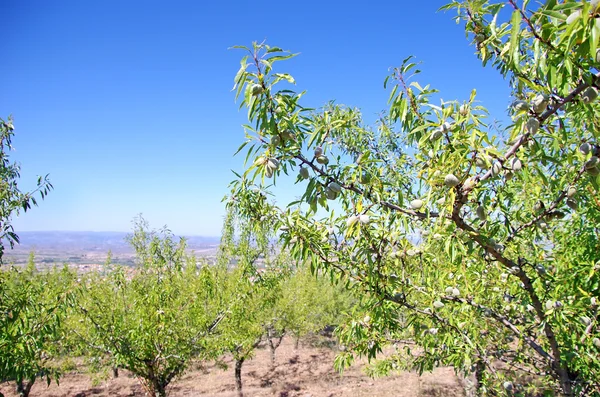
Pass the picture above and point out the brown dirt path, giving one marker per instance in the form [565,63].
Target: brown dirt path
[306,372]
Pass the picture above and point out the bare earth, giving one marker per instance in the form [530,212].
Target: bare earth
[306,372]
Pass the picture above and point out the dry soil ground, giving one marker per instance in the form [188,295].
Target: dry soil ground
[305,372]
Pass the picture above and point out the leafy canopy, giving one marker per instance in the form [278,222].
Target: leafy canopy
[476,240]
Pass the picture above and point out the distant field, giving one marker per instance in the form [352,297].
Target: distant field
[89,248]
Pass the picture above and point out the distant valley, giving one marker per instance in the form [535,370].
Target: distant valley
[89,249]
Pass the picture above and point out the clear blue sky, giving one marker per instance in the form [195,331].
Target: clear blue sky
[127,104]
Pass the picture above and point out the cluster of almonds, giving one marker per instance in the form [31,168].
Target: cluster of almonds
[592,164]
[270,164]
[320,156]
[285,137]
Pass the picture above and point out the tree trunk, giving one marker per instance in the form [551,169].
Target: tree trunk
[115,371]
[296,342]
[154,388]
[238,376]
[274,342]
[479,375]
[23,388]
[272,350]
[566,385]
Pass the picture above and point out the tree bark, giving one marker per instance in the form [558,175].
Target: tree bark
[479,374]
[272,350]
[274,342]
[154,387]
[238,376]
[23,388]
[115,371]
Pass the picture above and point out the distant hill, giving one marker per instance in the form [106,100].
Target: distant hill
[95,241]
[89,247]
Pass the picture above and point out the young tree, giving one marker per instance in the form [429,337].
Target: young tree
[310,303]
[12,200]
[155,319]
[252,289]
[242,330]
[33,307]
[477,241]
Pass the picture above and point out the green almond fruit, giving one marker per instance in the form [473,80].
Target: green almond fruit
[556,214]
[589,95]
[571,191]
[330,193]
[288,135]
[469,183]
[496,168]
[592,162]
[539,206]
[303,172]
[257,89]
[540,103]
[594,171]
[571,203]
[435,135]
[481,213]
[519,106]
[585,148]
[541,269]
[322,160]
[451,180]
[416,204]
[260,161]
[515,164]
[532,125]
[481,163]
[351,220]
[335,187]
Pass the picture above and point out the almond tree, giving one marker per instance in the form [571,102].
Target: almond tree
[476,240]
[156,318]
[253,288]
[310,304]
[12,199]
[33,308]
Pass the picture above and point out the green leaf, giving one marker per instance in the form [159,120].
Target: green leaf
[514,37]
